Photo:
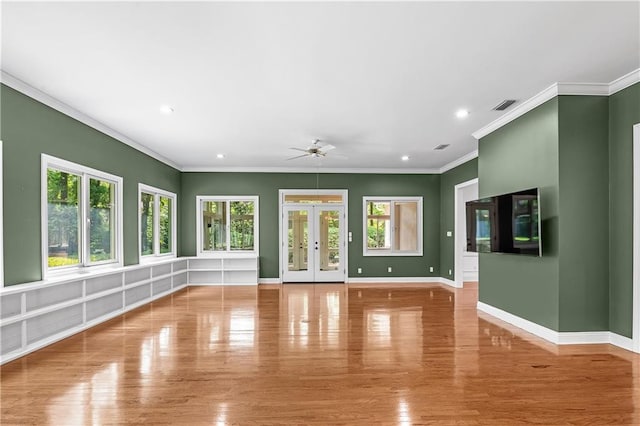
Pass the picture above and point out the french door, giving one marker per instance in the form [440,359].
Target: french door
[313,246]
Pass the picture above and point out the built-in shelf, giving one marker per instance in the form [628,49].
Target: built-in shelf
[224,271]
[34,315]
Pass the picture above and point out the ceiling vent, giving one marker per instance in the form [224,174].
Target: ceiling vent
[441,147]
[504,104]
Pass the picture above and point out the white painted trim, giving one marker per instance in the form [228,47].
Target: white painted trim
[458,273]
[621,342]
[558,338]
[625,81]
[519,110]
[310,169]
[557,89]
[636,239]
[228,200]
[85,173]
[157,193]
[470,276]
[390,253]
[458,162]
[269,281]
[54,103]
[372,280]
[344,193]
[583,89]
[449,282]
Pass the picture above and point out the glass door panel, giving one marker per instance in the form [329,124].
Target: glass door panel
[298,240]
[313,244]
[329,239]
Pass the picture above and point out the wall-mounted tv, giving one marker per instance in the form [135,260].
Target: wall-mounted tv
[507,223]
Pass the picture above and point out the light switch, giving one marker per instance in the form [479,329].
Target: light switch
[449,233]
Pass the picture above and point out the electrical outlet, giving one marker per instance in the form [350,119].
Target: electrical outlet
[389,269]
[430,268]
[359,270]
[449,271]
[449,233]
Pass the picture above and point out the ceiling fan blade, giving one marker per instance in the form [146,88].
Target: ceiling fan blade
[298,149]
[325,148]
[297,156]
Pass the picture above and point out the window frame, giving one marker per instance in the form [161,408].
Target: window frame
[157,193]
[85,174]
[366,251]
[200,199]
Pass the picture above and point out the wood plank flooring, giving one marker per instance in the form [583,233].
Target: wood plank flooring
[321,355]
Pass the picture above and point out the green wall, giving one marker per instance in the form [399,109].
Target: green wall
[520,155]
[448,180]
[30,128]
[584,218]
[584,213]
[266,186]
[624,112]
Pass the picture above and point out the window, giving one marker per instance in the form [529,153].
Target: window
[157,222]
[81,216]
[227,224]
[392,226]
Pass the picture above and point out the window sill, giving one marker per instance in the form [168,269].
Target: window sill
[154,260]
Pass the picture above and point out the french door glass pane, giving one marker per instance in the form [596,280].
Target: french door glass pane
[214,226]
[146,223]
[298,240]
[242,217]
[101,220]
[63,195]
[166,233]
[329,240]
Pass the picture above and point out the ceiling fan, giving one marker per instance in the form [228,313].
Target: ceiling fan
[317,149]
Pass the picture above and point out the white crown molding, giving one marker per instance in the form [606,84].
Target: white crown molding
[526,106]
[558,89]
[459,161]
[60,106]
[625,81]
[309,170]
[556,337]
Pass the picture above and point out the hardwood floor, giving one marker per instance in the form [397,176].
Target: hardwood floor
[318,354]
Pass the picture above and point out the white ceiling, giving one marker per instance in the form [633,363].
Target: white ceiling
[377,80]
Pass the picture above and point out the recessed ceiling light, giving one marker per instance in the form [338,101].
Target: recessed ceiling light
[220,156]
[462,113]
[405,158]
[166,109]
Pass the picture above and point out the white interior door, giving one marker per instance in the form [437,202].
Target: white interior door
[313,243]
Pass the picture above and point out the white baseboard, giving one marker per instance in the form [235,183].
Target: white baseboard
[448,282]
[558,337]
[470,276]
[269,281]
[357,280]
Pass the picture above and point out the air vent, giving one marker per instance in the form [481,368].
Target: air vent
[504,105]
[441,147]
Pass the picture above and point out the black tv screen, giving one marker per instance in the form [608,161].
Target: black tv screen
[507,223]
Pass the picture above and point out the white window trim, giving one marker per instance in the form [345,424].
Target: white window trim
[157,193]
[48,161]
[390,252]
[228,253]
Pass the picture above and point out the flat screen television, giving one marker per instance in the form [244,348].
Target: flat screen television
[507,223]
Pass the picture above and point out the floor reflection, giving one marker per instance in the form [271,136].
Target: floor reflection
[318,354]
